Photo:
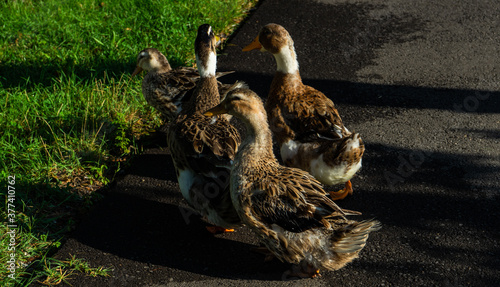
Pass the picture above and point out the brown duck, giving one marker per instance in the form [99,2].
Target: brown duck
[305,123]
[203,148]
[287,207]
[166,89]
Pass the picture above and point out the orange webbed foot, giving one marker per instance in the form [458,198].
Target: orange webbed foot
[218,230]
[341,194]
[301,272]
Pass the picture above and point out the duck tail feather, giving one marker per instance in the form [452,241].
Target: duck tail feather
[352,237]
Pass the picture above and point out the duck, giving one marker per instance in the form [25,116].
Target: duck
[286,207]
[202,148]
[305,123]
[166,89]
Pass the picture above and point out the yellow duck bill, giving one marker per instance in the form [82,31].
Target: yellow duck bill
[217,110]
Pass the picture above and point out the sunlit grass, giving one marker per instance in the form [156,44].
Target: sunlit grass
[70,114]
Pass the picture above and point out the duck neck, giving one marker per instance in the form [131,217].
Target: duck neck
[287,77]
[207,65]
[205,95]
[286,60]
[285,81]
[161,65]
[258,144]
[164,69]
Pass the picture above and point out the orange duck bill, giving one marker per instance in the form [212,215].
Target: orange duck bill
[253,46]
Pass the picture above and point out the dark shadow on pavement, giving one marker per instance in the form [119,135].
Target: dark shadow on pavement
[168,235]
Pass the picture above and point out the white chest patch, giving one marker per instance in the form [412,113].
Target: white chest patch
[286,61]
[209,68]
[327,174]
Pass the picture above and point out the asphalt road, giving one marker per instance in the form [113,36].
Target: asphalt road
[419,80]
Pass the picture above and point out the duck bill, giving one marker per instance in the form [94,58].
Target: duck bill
[218,41]
[217,110]
[253,46]
[136,71]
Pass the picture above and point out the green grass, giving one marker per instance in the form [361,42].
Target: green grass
[70,114]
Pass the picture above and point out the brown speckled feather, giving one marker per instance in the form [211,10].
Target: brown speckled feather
[167,89]
[286,207]
[197,135]
[300,112]
[334,150]
[304,121]
[203,148]
[290,198]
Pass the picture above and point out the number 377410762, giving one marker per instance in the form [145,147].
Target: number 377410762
[11,198]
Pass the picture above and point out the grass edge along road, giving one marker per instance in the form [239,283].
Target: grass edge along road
[71,116]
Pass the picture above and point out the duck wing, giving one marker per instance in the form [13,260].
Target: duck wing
[293,200]
[198,136]
[312,115]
